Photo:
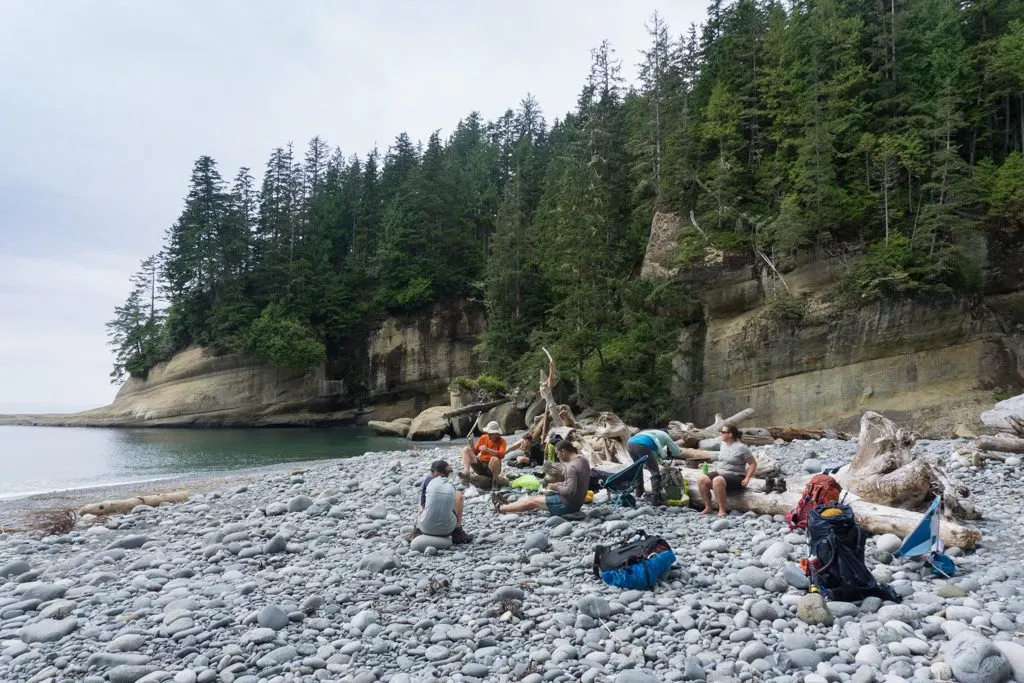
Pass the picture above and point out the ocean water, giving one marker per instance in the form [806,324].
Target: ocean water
[43,459]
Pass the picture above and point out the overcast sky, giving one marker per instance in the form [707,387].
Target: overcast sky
[104,105]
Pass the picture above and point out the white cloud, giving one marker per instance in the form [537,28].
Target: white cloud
[106,103]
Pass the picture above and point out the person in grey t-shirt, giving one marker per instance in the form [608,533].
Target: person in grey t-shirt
[734,467]
[560,498]
[440,506]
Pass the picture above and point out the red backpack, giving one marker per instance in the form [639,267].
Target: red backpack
[820,490]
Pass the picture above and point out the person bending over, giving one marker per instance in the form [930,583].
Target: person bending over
[734,466]
[440,506]
[526,453]
[559,499]
[657,446]
[485,456]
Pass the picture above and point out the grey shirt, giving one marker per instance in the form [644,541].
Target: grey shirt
[573,491]
[733,459]
[438,500]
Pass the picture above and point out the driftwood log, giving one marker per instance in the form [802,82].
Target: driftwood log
[796,433]
[476,407]
[690,436]
[1004,443]
[875,519]
[885,472]
[125,505]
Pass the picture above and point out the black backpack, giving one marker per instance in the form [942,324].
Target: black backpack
[637,563]
[834,537]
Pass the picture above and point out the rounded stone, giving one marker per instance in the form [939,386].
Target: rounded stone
[272,617]
[424,541]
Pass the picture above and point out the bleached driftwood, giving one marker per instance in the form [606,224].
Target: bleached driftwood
[1004,443]
[884,472]
[875,519]
[125,505]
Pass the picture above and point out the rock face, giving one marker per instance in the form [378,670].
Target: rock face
[937,364]
[409,365]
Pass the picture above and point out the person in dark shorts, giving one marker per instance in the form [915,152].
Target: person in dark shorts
[526,453]
[440,511]
[734,466]
[561,498]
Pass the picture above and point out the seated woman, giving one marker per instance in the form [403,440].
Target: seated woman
[734,467]
[526,453]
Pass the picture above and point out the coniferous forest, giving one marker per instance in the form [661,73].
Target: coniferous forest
[888,128]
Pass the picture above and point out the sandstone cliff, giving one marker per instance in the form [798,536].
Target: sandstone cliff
[935,364]
[409,366]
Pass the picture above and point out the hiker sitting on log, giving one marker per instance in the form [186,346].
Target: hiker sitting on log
[656,445]
[560,499]
[526,453]
[734,466]
[440,506]
[484,457]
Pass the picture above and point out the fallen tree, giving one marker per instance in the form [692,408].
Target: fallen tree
[125,505]
[873,518]
[885,472]
[1004,443]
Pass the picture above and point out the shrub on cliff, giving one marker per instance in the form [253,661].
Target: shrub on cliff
[284,342]
[896,269]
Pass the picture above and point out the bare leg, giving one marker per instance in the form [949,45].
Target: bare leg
[458,508]
[494,465]
[524,505]
[719,486]
[704,486]
[468,458]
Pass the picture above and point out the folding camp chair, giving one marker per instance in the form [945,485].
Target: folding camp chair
[925,542]
[621,483]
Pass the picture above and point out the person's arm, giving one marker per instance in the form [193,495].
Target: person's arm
[423,493]
[500,453]
[751,468]
[674,450]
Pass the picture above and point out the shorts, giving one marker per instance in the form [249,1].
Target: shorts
[481,468]
[733,483]
[556,506]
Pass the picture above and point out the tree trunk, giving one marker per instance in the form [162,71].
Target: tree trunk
[873,518]
[884,472]
[476,407]
[1002,443]
[125,505]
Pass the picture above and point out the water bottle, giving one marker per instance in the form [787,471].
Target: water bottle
[704,469]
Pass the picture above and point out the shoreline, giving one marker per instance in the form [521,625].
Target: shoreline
[277,576]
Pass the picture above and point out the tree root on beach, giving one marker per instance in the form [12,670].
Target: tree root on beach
[53,521]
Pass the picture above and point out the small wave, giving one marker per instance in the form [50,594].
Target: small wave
[62,488]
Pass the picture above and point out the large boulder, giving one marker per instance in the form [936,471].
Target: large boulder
[997,417]
[398,429]
[430,425]
[975,659]
[508,415]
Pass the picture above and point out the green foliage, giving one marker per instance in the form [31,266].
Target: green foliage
[897,270]
[784,307]
[487,386]
[284,342]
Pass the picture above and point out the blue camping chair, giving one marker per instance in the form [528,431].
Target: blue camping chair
[925,542]
[621,483]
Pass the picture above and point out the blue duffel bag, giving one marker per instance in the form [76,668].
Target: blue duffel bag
[637,563]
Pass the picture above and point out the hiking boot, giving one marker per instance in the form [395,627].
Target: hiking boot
[653,499]
[769,485]
[460,537]
[780,485]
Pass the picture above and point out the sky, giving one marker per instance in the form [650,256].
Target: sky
[106,104]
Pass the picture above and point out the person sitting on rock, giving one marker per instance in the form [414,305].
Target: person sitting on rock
[485,456]
[734,466]
[657,446]
[440,506]
[526,453]
[560,499]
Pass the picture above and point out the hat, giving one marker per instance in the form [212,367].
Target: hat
[441,467]
[554,437]
[492,427]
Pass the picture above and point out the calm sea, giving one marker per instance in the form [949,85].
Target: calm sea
[42,459]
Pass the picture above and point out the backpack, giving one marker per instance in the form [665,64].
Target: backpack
[839,572]
[820,490]
[673,485]
[637,563]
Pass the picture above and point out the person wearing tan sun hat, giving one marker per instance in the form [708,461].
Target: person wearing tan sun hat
[485,456]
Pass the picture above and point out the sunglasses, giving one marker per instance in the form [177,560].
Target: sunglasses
[726,431]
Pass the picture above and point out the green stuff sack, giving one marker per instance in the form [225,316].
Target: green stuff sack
[526,482]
